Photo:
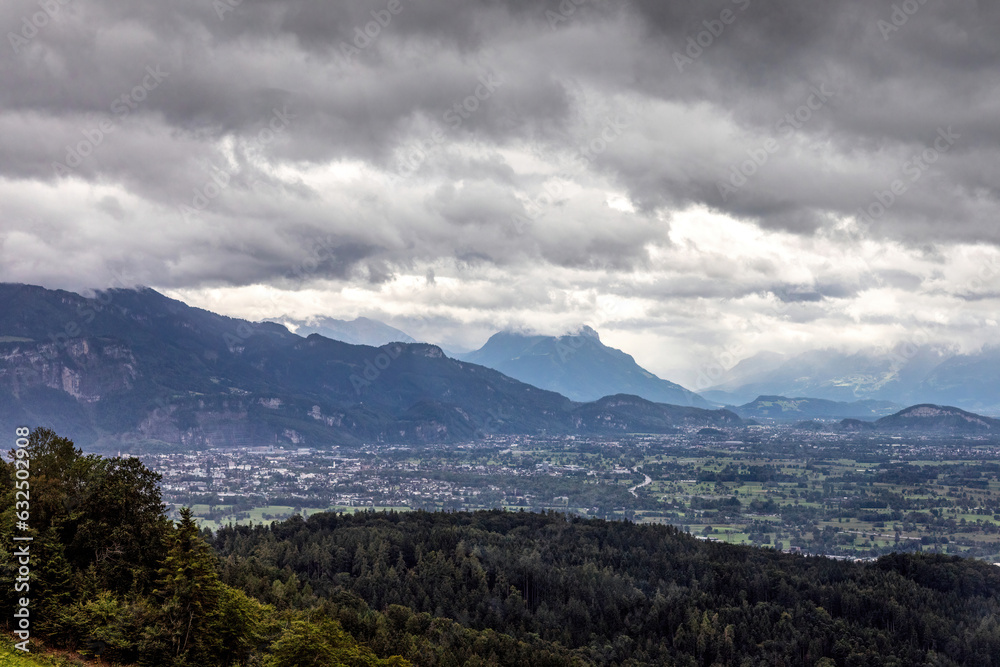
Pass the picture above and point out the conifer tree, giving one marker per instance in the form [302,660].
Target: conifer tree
[189,589]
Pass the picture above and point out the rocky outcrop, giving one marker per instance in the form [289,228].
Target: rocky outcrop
[86,369]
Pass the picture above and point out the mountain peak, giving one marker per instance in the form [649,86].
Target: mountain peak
[927,410]
[577,365]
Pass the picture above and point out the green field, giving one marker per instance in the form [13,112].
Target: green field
[269,513]
[832,506]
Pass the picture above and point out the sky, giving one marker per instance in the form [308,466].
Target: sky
[698,181]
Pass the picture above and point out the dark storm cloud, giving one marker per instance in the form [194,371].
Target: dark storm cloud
[898,77]
[809,111]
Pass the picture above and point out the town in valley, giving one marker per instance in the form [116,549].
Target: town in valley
[780,486]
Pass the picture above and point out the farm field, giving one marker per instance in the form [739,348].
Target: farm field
[217,516]
[838,507]
[776,487]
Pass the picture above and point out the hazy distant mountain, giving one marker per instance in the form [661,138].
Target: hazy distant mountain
[359,331]
[624,413]
[854,426]
[781,408]
[834,375]
[579,366]
[936,418]
[746,372]
[923,419]
[931,374]
[971,381]
[132,366]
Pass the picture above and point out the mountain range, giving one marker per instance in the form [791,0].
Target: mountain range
[924,419]
[782,409]
[926,374]
[578,366]
[135,368]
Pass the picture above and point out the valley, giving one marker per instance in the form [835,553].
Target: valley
[776,486]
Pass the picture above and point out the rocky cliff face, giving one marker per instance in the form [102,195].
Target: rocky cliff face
[86,369]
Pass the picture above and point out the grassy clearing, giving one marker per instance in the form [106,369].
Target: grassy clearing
[11,657]
[269,513]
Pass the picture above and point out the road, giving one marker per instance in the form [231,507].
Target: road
[647,481]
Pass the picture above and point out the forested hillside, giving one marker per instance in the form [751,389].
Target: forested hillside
[620,593]
[111,576]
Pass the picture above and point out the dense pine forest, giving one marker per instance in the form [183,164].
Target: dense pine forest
[619,593]
[111,576]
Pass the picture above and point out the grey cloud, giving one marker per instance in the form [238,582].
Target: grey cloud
[900,279]
[327,175]
[795,294]
[892,94]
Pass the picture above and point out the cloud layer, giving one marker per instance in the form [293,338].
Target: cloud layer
[692,178]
